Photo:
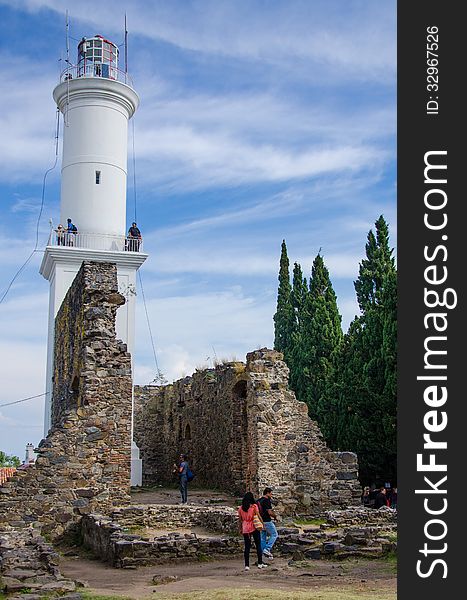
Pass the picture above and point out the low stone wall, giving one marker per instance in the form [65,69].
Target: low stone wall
[83,464]
[129,537]
[362,516]
[220,519]
[152,534]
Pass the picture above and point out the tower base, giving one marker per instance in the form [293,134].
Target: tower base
[136,466]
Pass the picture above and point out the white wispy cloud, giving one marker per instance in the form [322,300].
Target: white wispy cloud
[197,160]
[358,41]
[186,328]
[27,143]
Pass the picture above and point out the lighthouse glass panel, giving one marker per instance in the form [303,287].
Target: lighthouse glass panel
[97,57]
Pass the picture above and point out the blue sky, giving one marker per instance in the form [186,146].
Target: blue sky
[258,121]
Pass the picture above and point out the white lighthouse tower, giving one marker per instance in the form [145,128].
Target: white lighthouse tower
[97,100]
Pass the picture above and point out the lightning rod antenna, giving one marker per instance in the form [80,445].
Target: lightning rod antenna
[67,39]
[126,50]
[67,36]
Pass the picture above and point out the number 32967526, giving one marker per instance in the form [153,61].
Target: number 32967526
[432,58]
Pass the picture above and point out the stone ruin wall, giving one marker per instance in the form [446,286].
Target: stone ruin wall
[196,416]
[243,430]
[83,464]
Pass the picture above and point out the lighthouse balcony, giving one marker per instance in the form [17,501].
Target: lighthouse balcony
[95,241]
[94,69]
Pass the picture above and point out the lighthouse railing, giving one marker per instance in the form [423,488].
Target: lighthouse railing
[95,241]
[95,70]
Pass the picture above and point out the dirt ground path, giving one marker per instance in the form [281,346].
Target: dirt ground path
[353,577]
[160,495]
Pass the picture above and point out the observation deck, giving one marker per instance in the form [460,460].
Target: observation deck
[95,241]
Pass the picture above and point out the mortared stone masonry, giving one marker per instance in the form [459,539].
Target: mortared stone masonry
[83,464]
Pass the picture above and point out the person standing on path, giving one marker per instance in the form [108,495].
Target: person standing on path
[246,527]
[269,533]
[182,470]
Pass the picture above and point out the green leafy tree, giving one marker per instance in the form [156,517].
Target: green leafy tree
[284,319]
[7,460]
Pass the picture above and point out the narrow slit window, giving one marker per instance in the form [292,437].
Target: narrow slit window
[98,177]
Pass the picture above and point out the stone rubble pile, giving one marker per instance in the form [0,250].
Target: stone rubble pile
[29,567]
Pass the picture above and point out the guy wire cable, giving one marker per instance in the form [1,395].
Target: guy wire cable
[159,374]
[149,326]
[24,399]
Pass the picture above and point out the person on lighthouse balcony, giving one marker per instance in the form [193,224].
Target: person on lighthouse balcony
[71,231]
[134,238]
[60,231]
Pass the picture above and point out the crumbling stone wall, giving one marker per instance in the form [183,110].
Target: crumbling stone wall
[196,415]
[83,464]
[244,430]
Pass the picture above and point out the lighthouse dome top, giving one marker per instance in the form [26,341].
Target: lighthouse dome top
[97,57]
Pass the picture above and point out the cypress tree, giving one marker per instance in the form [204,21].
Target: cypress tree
[299,293]
[321,337]
[284,319]
[366,381]
[297,364]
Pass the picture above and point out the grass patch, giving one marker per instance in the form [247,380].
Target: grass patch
[310,521]
[271,594]
[264,594]
[90,596]
[134,529]
[390,559]
[204,558]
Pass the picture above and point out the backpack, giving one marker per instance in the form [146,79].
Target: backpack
[74,229]
[189,475]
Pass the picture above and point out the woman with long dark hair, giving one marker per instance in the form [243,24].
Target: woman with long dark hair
[246,513]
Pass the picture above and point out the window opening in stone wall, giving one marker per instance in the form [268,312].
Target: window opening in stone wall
[188,432]
[240,390]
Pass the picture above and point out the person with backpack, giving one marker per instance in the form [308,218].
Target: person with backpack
[269,533]
[184,475]
[250,524]
[71,231]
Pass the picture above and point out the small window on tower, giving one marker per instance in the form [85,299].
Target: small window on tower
[98,177]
